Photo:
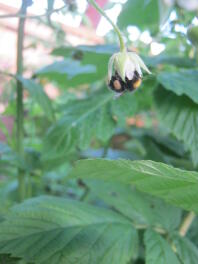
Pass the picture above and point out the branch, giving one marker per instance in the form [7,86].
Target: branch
[8,74]
[19,15]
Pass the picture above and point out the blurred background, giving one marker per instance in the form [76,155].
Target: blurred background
[66,51]
[70,114]
[77,23]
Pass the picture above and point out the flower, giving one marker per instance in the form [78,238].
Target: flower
[124,71]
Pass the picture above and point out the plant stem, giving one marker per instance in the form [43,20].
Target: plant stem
[96,6]
[19,99]
[196,54]
[186,223]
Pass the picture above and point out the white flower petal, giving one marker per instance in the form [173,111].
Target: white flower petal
[130,68]
[138,60]
[138,69]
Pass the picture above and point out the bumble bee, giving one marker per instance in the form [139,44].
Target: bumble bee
[124,71]
[119,86]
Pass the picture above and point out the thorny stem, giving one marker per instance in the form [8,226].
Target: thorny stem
[19,99]
[119,34]
[186,223]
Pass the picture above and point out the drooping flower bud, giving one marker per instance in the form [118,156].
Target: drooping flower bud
[124,71]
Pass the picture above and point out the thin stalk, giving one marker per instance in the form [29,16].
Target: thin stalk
[196,54]
[116,29]
[186,223]
[19,100]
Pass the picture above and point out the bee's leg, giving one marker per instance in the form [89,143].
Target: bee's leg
[129,85]
[116,96]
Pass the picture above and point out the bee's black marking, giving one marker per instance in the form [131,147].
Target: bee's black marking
[117,78]
[128,85]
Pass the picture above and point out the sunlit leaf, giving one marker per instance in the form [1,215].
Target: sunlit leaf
[175,186]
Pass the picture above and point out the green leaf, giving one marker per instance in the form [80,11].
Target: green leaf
[105,125]
[68,73]
[82,120]
[84,56]
[186,250]
[125,106]
[129,104]
[142,14]
[183,82]
[38,94]
[67,67]
[85,52]
[141,208]
[180,117]
[6,259]
[193,232]
[175,186]
[54,230]
[86,119]
[166,59]
[158,251]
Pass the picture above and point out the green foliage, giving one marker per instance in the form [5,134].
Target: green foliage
[181,82]
[68,72]
[186,250]
[158,251]
[103,210]
[82,119]
[140,13]
[151,177]
[86,65]
[38,94]
[140,208]
[55,230]
[179,116]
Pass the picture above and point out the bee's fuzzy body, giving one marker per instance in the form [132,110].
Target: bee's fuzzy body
[119,86]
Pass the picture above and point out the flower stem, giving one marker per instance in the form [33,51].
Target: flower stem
[19,100]
[96,6]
